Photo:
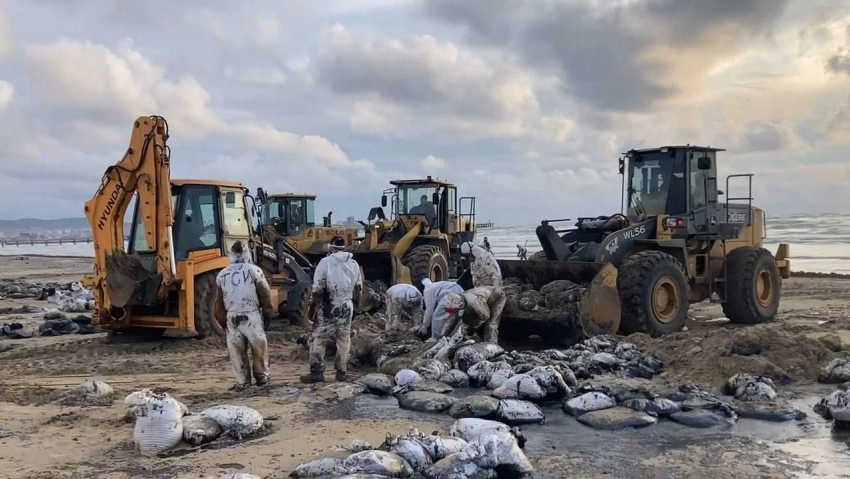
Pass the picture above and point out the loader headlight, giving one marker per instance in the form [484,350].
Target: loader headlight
[671,223]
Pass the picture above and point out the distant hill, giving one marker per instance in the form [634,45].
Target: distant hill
[35,223]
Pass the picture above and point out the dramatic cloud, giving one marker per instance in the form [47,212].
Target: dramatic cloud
[292,147]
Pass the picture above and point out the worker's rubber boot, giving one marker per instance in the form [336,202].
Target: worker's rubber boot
[341,376]
[313,377]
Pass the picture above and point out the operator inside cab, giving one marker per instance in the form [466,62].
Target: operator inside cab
[425,208]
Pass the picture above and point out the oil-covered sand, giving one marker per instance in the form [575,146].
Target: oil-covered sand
[43,439]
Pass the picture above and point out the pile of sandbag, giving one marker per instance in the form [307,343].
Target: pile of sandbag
[76,299]
[162,422]
[836,372]
[474,448]
[750,388]
[18,289]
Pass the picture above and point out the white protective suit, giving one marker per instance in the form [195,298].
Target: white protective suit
[335,283]
[404,308]
[435,311]
[243,293]
[485,268]
[480,309]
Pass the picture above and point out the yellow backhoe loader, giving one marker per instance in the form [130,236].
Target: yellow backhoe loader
[180,233]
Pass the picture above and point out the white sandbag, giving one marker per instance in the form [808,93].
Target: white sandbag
[90,392]
[358,445]
[411,450]
[159,421]
[467,356]
[480,374]
[237,421]
[515,411]
[431,369]
[499,376]
[470,429]
[501,450]
[324,467]
[407,376]
[592,401]
[199,430]
[460,465]
[377,462]
[550,380]
[835,406]
[837,371]
[521,386]
[455,378]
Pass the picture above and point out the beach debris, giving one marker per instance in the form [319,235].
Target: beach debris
[91,392]
[616,418]
[836,372]
[377,383]
[474,406]
[516,412]
[76,299]
[425,401]
[236,421]
[159,421]
[199,430]
[750,388]
[588,402]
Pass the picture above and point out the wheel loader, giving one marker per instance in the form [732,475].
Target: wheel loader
[676,243]
[421,238]
[180,235]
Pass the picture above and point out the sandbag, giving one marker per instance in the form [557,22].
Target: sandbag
[617,418]
[501,451]
[237,421]
[406,377]
[159,421]
[515,411]
[837,371]
[455,378]
[411,451]
[470,429]
[324,467]
[358,445]
[460,465]
[430,386]
[499,376]
[835,406]
[199,430]
[749,387]
[658,406]
[377,462]
[592,401]
[377,383]
[235,476]
[474,406]
[521,386]
[467,356]
[480,374]
[439,447]
[431,369]
[425,401]
[90,393]
[550,380]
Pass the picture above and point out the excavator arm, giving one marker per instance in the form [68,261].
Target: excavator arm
[121,279]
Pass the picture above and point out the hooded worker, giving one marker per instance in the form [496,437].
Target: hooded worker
[336,285]
[404,308]
[242,293]
[479,309]
[435,311]
[485,268]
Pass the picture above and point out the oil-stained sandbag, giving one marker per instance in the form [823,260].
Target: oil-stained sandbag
[90,392]
[499,376]
[501,451]
[377,383]
[159,421]
[837,371]
[358,445]
[750,388]
[377,462]
[411,451]
[659,406]
[460,465]
[324,467]
[235,476]
[425,402]
[199,430]
[472,354]
[835,406]
[474,406]
[592,401]
[550,380]
[521,386]
[617,418]
[470,429]
[431,369]
[701,418]
[481,373]
[438,446]
[456,379]
[236,421]
[516,411]
[430,386]
[406,377]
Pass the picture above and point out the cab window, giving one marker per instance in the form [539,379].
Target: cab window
[196,221]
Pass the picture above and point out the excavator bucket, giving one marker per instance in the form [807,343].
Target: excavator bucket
[128,281]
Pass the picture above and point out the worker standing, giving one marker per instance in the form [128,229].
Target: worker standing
[485,268]
[404,308]
[336,285]
[435,311]
[242,292]
[479,309]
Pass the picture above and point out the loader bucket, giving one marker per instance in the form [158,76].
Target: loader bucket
[600,308]
[383,266]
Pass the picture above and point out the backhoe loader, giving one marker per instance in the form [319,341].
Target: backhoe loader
[181,231]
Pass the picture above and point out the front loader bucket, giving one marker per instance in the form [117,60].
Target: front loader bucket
[382,266]
[128,281]
[598,311]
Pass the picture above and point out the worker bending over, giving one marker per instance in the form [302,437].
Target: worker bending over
[485,268]
[336,285]
[479,310]
[404,308]
[242,292]
[435,310]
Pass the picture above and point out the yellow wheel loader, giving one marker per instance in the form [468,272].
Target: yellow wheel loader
[180,235]
[676,243]
[421,238]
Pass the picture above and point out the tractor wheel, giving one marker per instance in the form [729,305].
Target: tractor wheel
[426,262]
[205,296]
[302,316]
[754,287]
[654,294]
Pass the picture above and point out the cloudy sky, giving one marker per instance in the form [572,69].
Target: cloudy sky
[525,104]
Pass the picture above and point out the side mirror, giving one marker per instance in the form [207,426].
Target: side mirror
[384,201]
[435,198]
[261,195]
[622,166]
[704,163]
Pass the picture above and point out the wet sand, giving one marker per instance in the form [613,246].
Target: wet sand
[40,438]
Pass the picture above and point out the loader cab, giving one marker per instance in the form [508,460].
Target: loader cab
[289,214]
[438,202]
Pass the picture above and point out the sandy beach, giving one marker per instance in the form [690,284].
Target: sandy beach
[40,438]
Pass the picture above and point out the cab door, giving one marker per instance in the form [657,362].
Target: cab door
[236,223]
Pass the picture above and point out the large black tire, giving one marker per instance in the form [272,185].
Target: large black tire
[301,316]
[205,296]
[654,293]
[426,262]
[754,286]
